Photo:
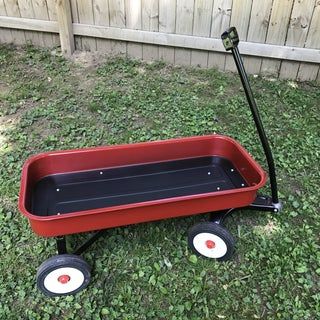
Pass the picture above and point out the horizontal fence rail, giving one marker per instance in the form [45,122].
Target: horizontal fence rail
[166,39]
[278,37]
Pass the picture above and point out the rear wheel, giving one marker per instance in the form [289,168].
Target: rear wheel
[211,240]
[62,275]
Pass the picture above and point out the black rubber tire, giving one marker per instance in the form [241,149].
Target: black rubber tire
[62,261]
[216,229]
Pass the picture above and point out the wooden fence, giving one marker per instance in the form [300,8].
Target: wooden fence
[278,37]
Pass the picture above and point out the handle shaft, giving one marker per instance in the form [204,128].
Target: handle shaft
[230,40]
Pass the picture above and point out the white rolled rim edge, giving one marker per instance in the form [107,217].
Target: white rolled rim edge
[220,247]
[52,284]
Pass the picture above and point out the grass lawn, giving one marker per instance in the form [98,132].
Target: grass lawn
[146,271]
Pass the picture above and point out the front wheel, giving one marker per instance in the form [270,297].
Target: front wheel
[62,275]
[211,240]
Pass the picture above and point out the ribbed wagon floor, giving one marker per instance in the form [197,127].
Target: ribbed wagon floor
[77,191]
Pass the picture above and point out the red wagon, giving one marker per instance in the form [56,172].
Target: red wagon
[73,191]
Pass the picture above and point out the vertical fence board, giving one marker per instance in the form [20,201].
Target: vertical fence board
[75,19]
[51,5]
[117,19]
[2,8]
[184,21]
[41,13]
[117,13]
[101,18]
[167,24]
[201,27]
[5,34]
[277,31]
[13,10]
[26,11]
[308,71]
[150,22]
[74,11]
[260,14]
[297,34]
[133,21]
[221,13]
[240,18]
[101,12]
[85,14]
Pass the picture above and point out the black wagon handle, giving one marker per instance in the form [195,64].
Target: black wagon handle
[230,41]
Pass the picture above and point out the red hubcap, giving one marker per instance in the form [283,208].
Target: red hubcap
[210,244]
[64,279]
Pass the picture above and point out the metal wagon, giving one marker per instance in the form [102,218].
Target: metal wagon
[73,191]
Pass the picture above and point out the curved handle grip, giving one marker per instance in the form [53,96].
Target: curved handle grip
[230,38]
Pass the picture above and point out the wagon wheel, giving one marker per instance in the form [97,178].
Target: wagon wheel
[211,240]
[62,275]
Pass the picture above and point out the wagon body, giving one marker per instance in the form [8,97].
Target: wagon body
[65,192]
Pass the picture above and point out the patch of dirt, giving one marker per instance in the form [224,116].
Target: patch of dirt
[41,128]
[86,85]
[141,70]
[12,119]
[88,60]
[4,89]
[270,228]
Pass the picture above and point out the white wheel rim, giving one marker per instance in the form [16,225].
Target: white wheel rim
[75,280]
[210,245]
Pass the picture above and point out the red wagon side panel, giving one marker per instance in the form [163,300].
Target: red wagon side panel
[126,215]
[58,162]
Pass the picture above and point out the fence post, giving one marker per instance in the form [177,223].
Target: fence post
[65,27]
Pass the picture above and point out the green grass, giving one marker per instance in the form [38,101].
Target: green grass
[146,271]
